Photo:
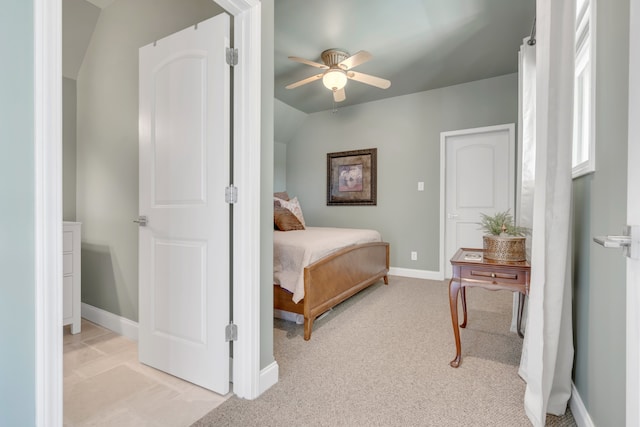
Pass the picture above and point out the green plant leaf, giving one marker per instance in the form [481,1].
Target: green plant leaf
[501,223]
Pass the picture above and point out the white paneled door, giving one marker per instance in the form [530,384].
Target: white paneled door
[184,168]
[479,178]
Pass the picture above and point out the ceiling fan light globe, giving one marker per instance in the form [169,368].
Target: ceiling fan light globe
[334,79]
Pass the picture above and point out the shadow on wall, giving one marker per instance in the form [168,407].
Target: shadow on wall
[102,279]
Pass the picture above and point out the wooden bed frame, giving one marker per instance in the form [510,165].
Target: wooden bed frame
[334,278]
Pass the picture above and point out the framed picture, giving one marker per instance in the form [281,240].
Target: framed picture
[351,177]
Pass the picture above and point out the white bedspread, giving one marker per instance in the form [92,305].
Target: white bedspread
[294,250]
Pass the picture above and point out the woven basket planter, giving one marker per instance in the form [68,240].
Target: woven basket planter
[511,248]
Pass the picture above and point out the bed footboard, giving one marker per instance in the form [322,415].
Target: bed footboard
[333,279]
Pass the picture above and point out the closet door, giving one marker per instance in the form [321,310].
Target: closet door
[479,178]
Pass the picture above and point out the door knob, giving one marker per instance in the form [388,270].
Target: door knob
[142,220]
[452,216]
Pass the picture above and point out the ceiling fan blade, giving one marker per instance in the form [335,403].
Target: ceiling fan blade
[368,79]
[355,60]
[304,81]
[339,95]
[306,61]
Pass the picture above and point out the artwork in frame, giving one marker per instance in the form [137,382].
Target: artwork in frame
[351,177]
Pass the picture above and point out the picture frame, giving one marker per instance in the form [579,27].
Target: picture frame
[352,178]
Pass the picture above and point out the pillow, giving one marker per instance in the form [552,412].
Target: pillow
[281,195]
[285,220]
[294,206]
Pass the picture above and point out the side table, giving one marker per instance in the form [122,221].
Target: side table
[471,269]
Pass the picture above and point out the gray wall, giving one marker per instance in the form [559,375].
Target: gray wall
[279,166]
[288,122]
[107,144]
[69,102]
[266,189]
[406,132]
[17,223]
[600,201]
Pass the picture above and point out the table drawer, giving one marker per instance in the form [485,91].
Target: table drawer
[503,276]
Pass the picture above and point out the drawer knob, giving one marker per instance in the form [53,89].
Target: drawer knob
[493,275]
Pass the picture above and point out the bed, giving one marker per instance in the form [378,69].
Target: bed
[317,268]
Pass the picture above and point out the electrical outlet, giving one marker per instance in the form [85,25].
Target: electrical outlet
[414,256]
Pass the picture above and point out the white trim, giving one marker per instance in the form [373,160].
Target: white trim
[633,218]
[579,411]
[48,174]
[443,163]
[48,210]
[118,324]
[269,376]
[589,165]
[416,274]
[246,212]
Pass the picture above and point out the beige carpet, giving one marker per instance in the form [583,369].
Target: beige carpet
[382,359]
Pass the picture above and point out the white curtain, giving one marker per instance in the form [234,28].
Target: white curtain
[547,355]
[526,149]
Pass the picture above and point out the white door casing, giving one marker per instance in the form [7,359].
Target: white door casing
[633,218]
[48,173]
[184,256]
[479,177]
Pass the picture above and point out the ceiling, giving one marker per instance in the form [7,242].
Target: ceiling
[416,44]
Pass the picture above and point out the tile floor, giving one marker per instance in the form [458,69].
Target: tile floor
[105,385]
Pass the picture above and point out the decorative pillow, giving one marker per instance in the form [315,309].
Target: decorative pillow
[281,195]
[294,206]
[285,220]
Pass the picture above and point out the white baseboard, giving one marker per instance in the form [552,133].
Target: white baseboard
[578,409]
[268,377]
[416,274]
[118,324]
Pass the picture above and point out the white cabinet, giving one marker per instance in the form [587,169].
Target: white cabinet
[71,270]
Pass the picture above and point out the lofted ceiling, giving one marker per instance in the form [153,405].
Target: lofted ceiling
[416,44]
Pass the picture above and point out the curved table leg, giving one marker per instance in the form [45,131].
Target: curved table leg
[454,288]
[463,297]
[520,311]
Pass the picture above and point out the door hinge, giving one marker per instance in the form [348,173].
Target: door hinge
[231,332]
[232,56]
[231,194]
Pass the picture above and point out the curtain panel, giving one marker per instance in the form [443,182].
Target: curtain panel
[547,355]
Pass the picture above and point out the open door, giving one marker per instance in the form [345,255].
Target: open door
[184,250]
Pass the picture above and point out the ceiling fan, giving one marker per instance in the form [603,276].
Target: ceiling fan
[337,68]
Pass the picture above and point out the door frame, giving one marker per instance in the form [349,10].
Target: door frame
[510,128]
[48,203]
[633,218]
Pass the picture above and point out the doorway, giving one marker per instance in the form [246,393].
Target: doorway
[478,172]
[48,218]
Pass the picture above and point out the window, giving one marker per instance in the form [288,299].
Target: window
[583,158]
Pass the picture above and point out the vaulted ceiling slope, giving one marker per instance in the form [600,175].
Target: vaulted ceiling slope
[417,44]
[79,18]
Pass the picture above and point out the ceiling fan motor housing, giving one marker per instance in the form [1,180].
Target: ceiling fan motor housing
[332,57]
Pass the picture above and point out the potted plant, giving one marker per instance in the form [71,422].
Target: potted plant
[503,240]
